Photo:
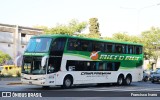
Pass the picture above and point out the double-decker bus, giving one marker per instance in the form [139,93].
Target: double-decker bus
[62,60]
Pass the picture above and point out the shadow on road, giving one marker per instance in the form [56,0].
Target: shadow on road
[58,88]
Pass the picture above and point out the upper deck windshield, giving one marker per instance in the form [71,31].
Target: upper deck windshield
[39,45]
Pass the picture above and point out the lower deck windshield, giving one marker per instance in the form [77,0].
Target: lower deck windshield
[33,66]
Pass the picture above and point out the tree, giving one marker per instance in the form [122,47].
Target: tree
[94,28]
[45,28]
[4,57]
[73,27]
[126,37]
[121,37]
[151,41]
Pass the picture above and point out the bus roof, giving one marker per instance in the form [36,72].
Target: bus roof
[94,39]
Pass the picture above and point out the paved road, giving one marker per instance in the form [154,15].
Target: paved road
[135,86]
[99,92]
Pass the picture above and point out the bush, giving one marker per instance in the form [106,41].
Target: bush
[4,57]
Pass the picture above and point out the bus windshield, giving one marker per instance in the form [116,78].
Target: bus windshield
[38,45]
[33,66]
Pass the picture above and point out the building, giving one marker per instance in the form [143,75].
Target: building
[14,38]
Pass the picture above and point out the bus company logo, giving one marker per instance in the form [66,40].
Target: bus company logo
[94,55]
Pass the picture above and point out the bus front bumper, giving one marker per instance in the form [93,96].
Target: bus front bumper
[34,82]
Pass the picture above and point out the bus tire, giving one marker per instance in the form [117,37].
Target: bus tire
[152,81]
[120,80]
[67,82]
[128,80]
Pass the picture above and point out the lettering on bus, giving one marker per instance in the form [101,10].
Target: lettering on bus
[95,56]
[117,57]
[95,73]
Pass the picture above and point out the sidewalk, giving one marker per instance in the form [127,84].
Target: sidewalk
[10,81]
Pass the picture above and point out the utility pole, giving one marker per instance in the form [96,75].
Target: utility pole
[15,43]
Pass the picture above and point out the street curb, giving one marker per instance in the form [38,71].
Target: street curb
[15,83]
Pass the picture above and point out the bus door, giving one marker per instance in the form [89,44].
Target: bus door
[55,57]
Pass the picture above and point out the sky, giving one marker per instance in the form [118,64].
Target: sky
[131,16]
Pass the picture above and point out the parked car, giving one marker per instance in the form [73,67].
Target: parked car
[6,69]
[155,77]
[146,75]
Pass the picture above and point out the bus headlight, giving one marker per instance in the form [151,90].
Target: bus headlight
[42,78]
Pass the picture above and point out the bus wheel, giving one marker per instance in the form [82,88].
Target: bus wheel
[152,81]
[128,80]
[120,80]
[67,83]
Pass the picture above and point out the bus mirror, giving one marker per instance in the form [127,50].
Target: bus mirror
[43,62]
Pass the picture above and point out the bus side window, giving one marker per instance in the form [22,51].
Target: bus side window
[73,65]
[102,47]
[72,44]
[117,65]
[130,49]
[92,66]
[138,49]
[101,68]
[98,46]
[84,45]
[120,48]
[110,48]
[123,49]
[58,44]
[126,49]
[109,66]
[112,66]
[69,65]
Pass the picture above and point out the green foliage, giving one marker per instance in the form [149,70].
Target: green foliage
[73,27]
[121,37]
[126,37]
[150,38]
[94,28]
[107,38]
[4,57]
[93,35]
[151,41]
[45,28]
[82,35]
[149,66]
